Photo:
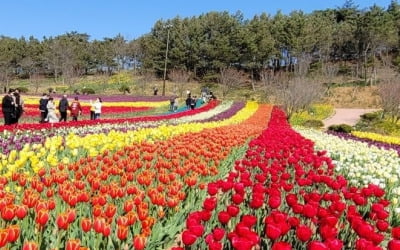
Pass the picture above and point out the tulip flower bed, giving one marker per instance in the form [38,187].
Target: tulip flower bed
[387,143]
[115,198]
[41,126]
[362,163]
[284,195]
[377,137]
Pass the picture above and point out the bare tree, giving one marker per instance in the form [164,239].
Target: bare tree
[145,78]
[229,79]
[389,91]
[297,94]
[180,78]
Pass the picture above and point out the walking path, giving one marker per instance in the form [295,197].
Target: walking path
[346,116]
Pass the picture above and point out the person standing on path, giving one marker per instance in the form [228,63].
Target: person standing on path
[19,105]
[63,107]
[91,109]
[76,109]
[8,108]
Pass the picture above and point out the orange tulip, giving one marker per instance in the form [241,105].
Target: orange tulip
[139,242]
[86,224]
[42,216]
[73,244]
[122,232]
[3,237]
[30,245]
[8,212]
[13,233]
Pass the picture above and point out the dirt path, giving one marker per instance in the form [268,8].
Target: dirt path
[346,116]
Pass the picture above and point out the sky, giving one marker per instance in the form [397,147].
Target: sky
[133,18]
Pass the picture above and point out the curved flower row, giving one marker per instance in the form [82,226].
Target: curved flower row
[32,110]
[284,195]
[153,104]
[36,126]
[371,142]
[72,145]
[377,137]
[114,199]
[362,164]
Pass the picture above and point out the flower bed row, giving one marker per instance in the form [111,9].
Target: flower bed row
[35,126]
[285,195]
[113,200]
[371,142]
[362,164]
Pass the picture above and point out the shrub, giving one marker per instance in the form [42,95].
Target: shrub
[124,89]
[370,116]
[313,123]
[61,89]
[87,91]
[343,128]
[23,89]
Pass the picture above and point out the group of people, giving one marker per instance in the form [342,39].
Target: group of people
[48,108]
[12,107]
[191,101]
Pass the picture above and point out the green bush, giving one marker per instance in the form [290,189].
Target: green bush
[124,89]
[313,124]
[61,89]
[23,89]
[343,128]
[87,91]
[370,116]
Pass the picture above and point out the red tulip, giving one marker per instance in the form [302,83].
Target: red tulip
[218,234]
[396,233]
[394,245]
[304,233]
[281,245]
[73,244]
[210,203]
[232,210]
[8,212]
[86,224]
[317,245]
[98,224]
[273,232]
[334,244]
[30,245]
[188,238]
[223,217]
[13,233]
[274,201]
[21,211]
[382,225]
[97,210]
[139,242]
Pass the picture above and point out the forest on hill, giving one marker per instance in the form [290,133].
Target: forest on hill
[343,40]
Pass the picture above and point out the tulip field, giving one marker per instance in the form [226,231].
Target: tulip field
[226,175]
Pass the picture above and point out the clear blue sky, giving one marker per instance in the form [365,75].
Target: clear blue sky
[107,18]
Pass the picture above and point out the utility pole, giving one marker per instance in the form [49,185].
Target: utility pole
[166,59]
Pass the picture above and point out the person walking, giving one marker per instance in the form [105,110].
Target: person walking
[176,104]
[76,109]
[43,107]
[193,103]
[8,108]
[171,103]
[97,108]
[188,101]
[63,107]
[51,111]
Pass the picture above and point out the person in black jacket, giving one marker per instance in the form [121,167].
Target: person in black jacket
[8,107]
[63,107]
[43,107]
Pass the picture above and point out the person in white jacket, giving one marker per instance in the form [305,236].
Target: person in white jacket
[97,108]
[51,108]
